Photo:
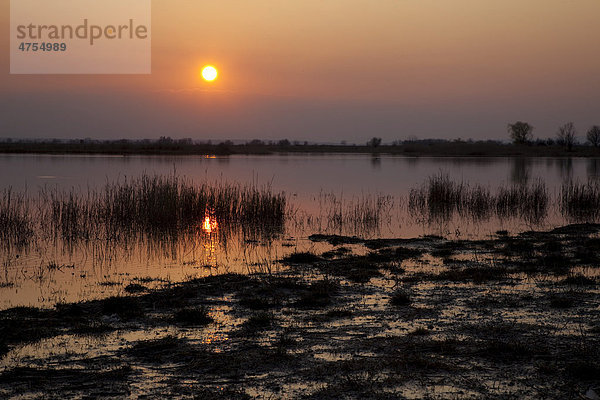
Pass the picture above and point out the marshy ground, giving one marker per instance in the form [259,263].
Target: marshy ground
[506,317]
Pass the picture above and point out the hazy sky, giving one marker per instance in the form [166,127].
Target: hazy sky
[330,70]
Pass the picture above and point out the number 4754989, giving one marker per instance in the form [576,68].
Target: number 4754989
[42,46]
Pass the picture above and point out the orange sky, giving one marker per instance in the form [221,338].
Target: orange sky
[331,70]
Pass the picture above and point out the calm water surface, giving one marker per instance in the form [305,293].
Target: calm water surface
[317,186]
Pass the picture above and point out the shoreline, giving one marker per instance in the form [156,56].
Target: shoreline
[417,149]
[395,322]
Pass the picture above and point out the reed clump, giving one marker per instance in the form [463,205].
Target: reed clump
[363,214]
[68,214]
[16,223]
[528,202]
[439,196]
[368,211]
[580,201]
[150,205]
[172,203]
[159,204]
[442,197]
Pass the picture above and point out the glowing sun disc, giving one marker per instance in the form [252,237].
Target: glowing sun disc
[209,73]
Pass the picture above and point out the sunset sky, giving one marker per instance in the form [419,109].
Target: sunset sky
[330,70]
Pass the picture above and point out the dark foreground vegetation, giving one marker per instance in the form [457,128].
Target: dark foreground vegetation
[168,146]
[507,317]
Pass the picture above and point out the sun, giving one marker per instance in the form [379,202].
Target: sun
[209,73]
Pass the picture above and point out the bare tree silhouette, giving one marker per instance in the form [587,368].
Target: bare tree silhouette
[566,135]
[593,136]
[374,142]
[520,132]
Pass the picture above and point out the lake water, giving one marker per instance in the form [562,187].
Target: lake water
[323,192]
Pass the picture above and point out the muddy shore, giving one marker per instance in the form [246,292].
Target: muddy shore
[512,316]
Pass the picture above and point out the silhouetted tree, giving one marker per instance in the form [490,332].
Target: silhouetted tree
[566,135]
[520,132]
[593,136]
[374,142]
[284,143]
[222,149]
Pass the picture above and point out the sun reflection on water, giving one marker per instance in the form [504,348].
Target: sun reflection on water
[210,228]
[210,224]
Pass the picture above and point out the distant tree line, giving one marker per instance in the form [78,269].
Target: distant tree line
[522,133]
